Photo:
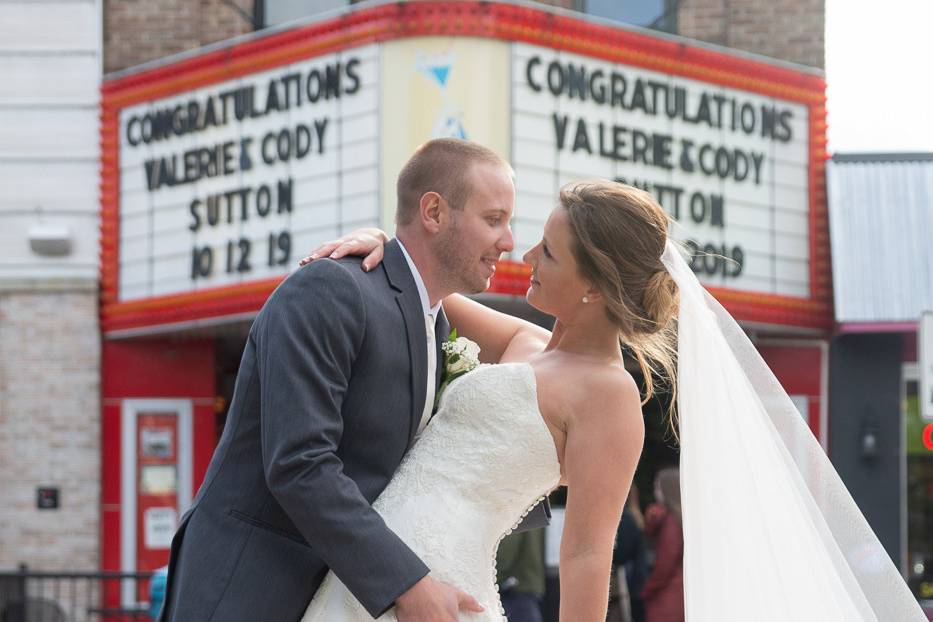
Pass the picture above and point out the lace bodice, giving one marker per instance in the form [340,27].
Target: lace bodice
[484,461]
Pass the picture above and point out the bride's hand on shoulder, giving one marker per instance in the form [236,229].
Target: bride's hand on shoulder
[368,242]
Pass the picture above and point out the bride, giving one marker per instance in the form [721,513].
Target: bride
[770,531]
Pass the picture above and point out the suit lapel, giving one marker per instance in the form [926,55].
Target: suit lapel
[441,332]
[409,304]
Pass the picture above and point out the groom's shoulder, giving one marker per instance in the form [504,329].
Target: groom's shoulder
[333,275]
[323,278]
[327,269]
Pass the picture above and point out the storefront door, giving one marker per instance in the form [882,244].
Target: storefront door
[156,450]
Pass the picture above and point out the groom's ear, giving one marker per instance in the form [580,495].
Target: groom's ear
[430,211]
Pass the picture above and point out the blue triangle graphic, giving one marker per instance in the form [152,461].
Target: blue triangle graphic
[440,74]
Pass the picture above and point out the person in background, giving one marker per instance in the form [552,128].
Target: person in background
[157,591]
[520,575]
[628,557]
[663,593]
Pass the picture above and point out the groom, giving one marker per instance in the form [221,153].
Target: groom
[338,377]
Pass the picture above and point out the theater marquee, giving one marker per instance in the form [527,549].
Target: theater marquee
[221,169]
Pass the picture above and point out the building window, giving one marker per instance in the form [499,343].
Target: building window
[274,12]
[656,14]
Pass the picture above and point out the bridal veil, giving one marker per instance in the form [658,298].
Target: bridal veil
[770,531]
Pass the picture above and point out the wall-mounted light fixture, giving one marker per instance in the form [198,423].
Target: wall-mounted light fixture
[869,441]
[50,240]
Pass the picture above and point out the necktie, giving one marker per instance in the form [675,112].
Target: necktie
[432,368]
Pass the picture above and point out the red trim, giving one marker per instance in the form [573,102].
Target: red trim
[111,459]
[799,369]
[910,326]
[200,305]
[446,18]
[205,438]
[909,347]
[157,369]
[511,278]
[110,535]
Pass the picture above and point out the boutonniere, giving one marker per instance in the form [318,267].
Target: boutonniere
[461,356]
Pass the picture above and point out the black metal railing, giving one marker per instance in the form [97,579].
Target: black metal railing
[32,596]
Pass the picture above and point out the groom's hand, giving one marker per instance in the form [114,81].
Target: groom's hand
[429,600]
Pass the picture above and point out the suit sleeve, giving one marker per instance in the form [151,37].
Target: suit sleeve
[311,332]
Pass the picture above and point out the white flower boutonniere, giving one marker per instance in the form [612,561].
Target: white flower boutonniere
[461,356]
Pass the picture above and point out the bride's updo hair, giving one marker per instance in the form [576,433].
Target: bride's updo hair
[620,234]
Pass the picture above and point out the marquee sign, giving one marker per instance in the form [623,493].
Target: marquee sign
[219,170]
[730,166]
[228,183]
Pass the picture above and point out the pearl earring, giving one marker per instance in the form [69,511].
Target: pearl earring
[585,299]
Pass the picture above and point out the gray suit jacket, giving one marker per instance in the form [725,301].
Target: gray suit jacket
[327,401]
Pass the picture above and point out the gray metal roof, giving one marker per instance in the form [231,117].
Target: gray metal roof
[881,234]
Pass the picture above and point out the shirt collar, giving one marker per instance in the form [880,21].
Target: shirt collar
[419,283]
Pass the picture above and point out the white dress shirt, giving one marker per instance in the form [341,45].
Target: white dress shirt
[430,319]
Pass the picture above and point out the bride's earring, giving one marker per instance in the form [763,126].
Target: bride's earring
[585,300]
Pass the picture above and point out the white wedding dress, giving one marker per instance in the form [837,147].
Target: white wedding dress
[770,530]
[486,459]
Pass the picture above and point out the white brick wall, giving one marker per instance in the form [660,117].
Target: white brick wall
[50,64]
[49,428]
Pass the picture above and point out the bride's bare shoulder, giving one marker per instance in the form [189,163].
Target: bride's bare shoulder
[609,390]
[590,390]
[604,422]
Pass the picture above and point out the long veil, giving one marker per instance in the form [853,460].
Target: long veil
[770,531]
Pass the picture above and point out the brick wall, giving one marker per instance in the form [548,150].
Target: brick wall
[792,30]
[49,428]
[137,31]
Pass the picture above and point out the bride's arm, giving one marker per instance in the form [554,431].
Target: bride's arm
[602,450]
[496,333]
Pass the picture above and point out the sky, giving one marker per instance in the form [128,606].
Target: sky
[879,59]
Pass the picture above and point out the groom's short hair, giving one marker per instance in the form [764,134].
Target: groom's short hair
[441,166]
